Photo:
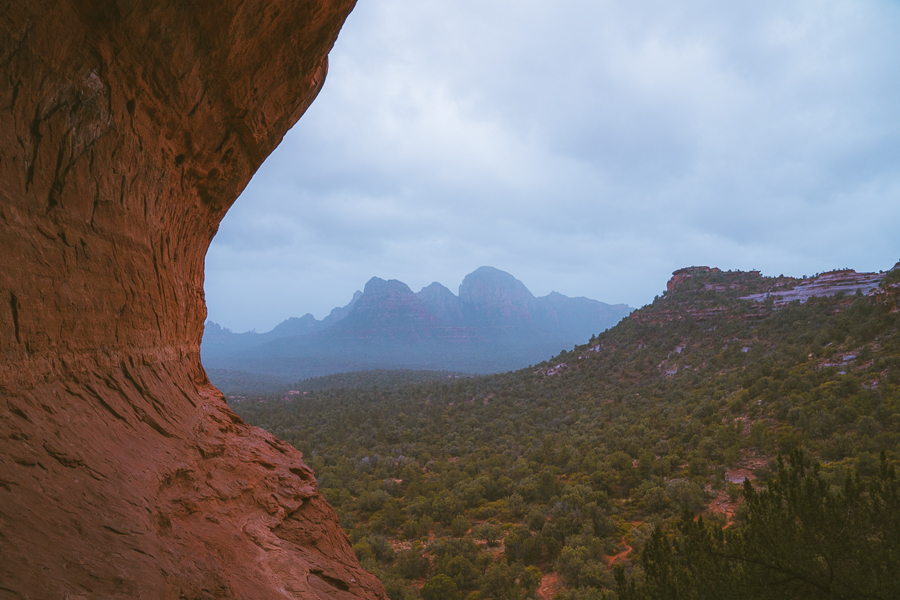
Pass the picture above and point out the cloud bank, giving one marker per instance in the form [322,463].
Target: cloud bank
[589,147]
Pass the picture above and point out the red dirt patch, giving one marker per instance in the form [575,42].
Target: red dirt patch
[611,560]
[722,504]
[550,586]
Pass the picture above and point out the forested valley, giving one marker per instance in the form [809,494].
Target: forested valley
[708,446]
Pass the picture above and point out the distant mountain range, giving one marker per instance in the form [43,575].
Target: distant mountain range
[494,324]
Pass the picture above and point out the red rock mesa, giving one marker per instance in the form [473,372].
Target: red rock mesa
[127,129]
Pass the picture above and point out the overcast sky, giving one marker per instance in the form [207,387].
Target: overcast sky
[588,147]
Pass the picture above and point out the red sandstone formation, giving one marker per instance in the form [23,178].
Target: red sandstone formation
[689,272]
[127,129]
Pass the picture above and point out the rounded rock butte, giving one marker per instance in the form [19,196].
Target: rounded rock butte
[127,129]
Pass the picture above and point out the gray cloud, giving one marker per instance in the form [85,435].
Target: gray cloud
[587,147]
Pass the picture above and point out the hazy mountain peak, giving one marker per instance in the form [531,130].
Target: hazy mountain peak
[212,326]
[442,303]
[377,285]
[338,314]
[488,281]
[435,288]
[387,301]
[295,326]
[495,294]
[496,325]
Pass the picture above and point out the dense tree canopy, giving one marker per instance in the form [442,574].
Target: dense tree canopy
[603,456]
[798,538]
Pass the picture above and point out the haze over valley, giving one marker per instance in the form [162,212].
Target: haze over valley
[494,324]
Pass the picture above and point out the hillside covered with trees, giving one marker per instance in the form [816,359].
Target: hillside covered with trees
[581,477]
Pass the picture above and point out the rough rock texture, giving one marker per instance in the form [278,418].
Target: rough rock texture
[704,293]
[827,284]
[127,129]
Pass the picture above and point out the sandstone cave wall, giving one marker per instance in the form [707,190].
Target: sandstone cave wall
[127,129]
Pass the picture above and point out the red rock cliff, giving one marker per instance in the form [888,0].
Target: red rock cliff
[127,129]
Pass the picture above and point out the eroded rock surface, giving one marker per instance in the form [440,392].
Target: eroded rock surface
[127,129]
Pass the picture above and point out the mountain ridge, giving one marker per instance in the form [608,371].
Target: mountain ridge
[495,324]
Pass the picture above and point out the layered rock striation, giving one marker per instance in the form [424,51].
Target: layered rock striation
[127,129]
[704,293]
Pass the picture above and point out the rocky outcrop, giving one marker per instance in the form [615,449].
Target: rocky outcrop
[704,293]
[682,275]
[127,129]
[846,281]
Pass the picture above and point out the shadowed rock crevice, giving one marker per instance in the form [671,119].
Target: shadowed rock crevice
[127,129]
